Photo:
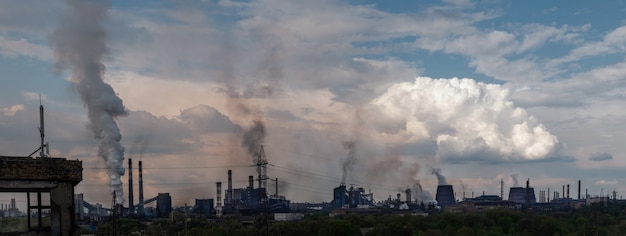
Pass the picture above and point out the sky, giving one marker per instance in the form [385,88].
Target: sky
[375,94]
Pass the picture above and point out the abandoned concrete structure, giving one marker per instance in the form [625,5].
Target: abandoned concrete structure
[53,177]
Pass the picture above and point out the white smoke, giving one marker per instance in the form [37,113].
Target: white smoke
[440,178]
[515,180]
[80,45]
[422,196]
[466,120]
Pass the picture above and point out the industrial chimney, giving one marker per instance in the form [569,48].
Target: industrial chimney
[140,190]
[218,211]
[131,206]
[251,182]
[229,192]
[578,189]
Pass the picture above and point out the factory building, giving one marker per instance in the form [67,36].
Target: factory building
[203,207]
[163,205]
[351,198]
[250,200]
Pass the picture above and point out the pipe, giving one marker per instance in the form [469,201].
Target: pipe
[131,206]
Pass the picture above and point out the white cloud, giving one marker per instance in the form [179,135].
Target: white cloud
[468,120]
[12,110]
[22,47]
[613,42]
[606,182]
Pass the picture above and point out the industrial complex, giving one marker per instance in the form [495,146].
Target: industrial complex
[48,184]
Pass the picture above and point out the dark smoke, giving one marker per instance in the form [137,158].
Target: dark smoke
[139,145]
[80,45]
[350,160]
[253,138]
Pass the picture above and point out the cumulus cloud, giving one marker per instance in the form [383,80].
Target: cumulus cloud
[601,156]
[10,111]
[467,121]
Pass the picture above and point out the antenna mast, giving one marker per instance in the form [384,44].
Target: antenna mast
[41,129]
[44,149]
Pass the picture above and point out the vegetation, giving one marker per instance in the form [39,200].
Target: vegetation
[595,220]
[20,224]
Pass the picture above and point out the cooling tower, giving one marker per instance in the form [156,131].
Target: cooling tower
[518,195]
[445,195]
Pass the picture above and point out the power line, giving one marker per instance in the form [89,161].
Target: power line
[179,167]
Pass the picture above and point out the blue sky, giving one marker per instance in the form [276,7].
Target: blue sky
[543,97]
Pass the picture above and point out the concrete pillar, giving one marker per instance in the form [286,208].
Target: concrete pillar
[62,209]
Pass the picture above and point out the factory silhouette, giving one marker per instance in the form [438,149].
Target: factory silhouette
[45,178]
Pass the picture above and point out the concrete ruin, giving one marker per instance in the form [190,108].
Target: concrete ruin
[36,176]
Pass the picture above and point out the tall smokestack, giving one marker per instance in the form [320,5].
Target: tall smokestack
[578,189]
[568,191]
[527,193]
[276,186]
[251,181]
[219,199]
[229,193]
[140,190]
[563,192]
[80,44]
[131,206]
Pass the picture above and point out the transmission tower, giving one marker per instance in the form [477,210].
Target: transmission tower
[261,167]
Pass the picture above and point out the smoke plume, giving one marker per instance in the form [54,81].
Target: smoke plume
[80,46]
[440,177]
[350,160]
[515,181]
[422,196]
[253,137]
